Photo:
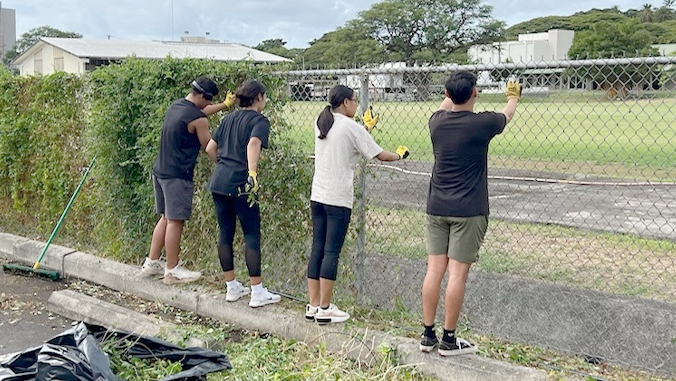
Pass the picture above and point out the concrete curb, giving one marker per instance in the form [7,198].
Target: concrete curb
[272,319]
[76,306]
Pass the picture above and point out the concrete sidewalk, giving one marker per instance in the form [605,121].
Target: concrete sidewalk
[272,319]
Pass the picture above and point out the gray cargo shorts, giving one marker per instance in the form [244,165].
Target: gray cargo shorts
[173,198]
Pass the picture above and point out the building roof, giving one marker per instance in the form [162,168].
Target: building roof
[118,49]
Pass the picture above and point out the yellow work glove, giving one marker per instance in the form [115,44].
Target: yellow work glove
[230,100]
[403,152]
[251,185]
[369,118]
[513,90]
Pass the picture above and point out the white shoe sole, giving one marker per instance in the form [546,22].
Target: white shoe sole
[457,352]
[234,298]
[331,319]
[151,272]
[261,303]
[427,348]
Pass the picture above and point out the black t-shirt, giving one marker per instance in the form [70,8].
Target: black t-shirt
[232,137]
[178,147]
[459,184]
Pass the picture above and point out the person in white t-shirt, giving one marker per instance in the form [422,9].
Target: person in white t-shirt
[339,143]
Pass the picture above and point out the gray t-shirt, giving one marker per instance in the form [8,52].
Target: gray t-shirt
[335,159]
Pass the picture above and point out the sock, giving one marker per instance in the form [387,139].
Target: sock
[257,288]
[232,284]
[449,336]
[325,308]
[429,331]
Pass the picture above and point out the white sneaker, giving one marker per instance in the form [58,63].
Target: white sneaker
[310,312]
[263,298]
[235,293]
[180,274]
[153,266]
[331,315]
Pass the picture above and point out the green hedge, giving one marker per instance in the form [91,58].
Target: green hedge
[51,126]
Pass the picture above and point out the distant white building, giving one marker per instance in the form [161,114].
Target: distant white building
[77,55]
[533,47]
[7,30]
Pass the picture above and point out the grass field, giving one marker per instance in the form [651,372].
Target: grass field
[620,264]
[634,138]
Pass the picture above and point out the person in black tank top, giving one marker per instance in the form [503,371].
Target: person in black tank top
[184,132]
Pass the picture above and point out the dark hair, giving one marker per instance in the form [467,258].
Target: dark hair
[459,86]
[248,91]
[337,96]
[204,86]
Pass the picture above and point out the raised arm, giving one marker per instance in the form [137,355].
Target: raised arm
[226,104]
[513,93]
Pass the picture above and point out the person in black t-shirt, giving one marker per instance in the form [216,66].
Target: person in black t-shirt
[236,147]
[184,132]
[457,202]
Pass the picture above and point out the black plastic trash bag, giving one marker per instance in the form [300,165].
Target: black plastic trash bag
[77,355]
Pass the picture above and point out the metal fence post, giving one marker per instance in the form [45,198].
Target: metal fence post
[361,200]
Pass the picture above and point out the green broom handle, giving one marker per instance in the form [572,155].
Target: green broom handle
[63,215]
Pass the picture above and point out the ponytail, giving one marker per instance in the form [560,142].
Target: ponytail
[337,95]
[325,121]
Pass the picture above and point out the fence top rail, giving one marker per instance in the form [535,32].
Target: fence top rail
[487,66]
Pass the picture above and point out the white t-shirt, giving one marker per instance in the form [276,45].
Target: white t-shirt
[335,159]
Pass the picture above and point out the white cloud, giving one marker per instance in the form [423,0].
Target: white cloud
[249,22]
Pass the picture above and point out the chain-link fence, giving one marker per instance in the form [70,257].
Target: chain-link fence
[580,254]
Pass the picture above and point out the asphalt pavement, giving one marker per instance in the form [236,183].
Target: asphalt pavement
[644,209]
[24,321]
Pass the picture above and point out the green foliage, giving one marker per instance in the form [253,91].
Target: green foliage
[606,39]
[276,46]
[51,126]
[660,22]
[131,368]
[419,29]
[129,102]
[31,37]
[344,47]
[41,119]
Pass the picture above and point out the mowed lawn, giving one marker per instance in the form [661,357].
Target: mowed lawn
[635,133]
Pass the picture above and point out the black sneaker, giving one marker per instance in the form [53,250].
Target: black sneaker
[427,344]
[459,347]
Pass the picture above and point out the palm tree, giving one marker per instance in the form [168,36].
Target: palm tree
[665,12]
[647,13]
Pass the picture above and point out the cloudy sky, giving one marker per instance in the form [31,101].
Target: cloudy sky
[246,21]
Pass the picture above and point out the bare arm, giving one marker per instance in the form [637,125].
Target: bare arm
[388,156]
[510,109]
[446,104]
[212,109]
[201,128]
[212,150]
[253,153]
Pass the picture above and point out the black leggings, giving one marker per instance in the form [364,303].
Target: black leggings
[228,209]
[329,227]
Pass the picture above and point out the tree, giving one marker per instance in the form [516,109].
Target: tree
[665,12]
[647,13]
[411,30]
[343,47]
[609,40]
[29,38]
[276,46]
